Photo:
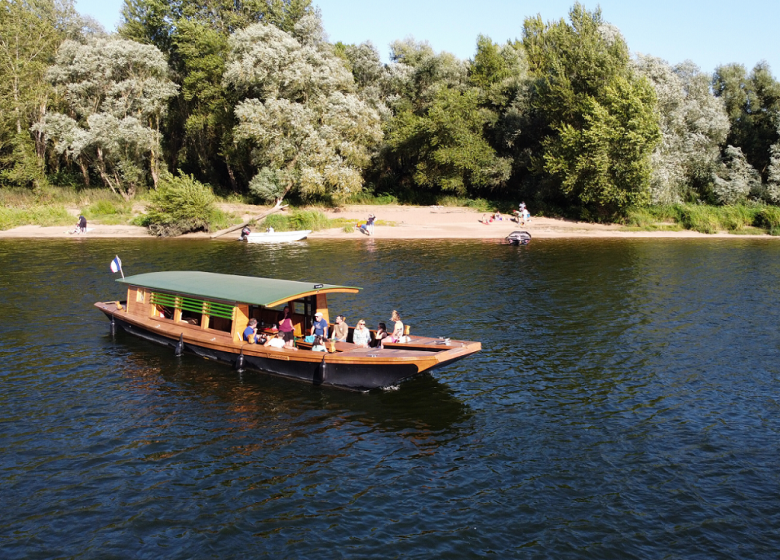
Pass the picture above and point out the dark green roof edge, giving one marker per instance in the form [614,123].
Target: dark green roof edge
[229,287]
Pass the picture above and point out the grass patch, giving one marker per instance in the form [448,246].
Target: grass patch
[313,220]
[744,219]
[219,219]
[108,212]
[371,198]
[55,215]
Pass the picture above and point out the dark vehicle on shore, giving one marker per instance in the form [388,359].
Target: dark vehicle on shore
[518,238]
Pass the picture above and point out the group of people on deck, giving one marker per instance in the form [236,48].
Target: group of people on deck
[361,336]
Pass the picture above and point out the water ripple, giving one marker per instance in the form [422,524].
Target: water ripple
[625,405]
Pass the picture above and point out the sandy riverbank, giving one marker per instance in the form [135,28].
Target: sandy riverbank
[408,222]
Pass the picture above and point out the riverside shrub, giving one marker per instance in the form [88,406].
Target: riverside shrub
[180,205]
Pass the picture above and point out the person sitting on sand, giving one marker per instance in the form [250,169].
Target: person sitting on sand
[368,227]
[361,336]
[486,219]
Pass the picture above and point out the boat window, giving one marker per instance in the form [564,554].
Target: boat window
[163,311]
[220,324]
[192,310]
[191,317]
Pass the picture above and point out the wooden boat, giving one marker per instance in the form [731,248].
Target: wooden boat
[277,236]
[206,313]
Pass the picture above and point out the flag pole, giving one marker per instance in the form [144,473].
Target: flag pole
[120,267]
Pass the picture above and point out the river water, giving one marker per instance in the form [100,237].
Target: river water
[625,405]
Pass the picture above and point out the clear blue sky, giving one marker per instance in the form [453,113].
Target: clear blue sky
[708,33]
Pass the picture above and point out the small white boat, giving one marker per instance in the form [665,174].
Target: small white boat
[277,236]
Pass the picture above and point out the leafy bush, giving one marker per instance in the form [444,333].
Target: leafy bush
[179,205]
[364,197]
[297,220]
[769,218]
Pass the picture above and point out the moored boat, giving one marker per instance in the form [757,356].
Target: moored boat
[278,236]
[206,313]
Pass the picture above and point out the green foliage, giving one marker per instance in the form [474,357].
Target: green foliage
[753,104]
[108,212]
[50,215]
[310,136]
[600,124]
[193,35]
[738,218]
[269,184]
[179,205]
[29,36]
[116,94]
[365,197]
[769,218]
[313,220]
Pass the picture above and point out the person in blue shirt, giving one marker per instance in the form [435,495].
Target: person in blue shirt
[320,326]
[250,331]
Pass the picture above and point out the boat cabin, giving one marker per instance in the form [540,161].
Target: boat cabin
[222,304]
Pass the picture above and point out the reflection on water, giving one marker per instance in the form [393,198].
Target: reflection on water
[625,405]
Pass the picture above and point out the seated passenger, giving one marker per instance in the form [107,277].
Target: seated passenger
[276,342]
[251,331]
[318,346]
[381,334]
[320,326]
[341,329]
[398,329]
[361,336]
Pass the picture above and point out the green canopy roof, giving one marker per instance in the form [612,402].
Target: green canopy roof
[227,287]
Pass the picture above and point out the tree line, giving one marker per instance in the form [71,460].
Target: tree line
[251,97]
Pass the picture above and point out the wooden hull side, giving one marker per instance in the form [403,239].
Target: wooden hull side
[355,373]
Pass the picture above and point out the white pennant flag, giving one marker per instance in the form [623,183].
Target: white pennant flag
[116,265]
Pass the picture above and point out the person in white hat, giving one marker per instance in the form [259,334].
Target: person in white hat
[320,326]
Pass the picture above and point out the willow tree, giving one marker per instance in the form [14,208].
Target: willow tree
[693,124]
[193,36]
[753,106]
[599,127]
[310,133]
[116,93]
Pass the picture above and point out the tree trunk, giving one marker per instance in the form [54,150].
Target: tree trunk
[276,208]
[232,176]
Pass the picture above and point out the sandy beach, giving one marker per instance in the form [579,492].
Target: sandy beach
[401,222]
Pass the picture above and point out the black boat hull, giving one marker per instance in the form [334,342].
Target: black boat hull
[351,377]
